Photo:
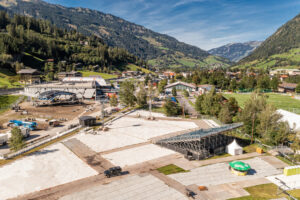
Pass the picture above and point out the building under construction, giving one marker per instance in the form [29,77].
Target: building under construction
[201,143]
[82,87]
[56,97]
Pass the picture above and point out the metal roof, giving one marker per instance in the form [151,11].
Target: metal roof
[27,71]
[180,83]
[201,133]
[48,95]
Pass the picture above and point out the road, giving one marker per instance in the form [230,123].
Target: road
[187,106]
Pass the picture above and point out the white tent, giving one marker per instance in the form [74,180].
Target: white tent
[292,119]
[234,149]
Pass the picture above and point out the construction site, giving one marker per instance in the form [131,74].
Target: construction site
[87,149]
[84,165]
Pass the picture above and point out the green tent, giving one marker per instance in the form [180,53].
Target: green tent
[239,165]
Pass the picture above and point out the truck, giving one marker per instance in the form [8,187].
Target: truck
[31,125]
[4,137]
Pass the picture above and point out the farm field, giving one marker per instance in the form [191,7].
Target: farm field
[278,100]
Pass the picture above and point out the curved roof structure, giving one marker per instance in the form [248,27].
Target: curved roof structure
[49,95]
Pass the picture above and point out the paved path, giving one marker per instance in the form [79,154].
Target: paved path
[170,182]
[187,106]
[90,157]
[226,159]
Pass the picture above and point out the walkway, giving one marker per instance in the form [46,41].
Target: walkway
[90,157]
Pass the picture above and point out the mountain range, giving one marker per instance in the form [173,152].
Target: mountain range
[235,51]
[158,49]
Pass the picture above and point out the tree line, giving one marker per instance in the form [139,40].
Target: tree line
[32,41]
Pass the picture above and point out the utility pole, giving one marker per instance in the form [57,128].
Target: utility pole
[150,98]
[252,135]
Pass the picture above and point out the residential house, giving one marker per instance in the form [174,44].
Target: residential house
[203,89]
[29,76]
[181,86]
[169,74]
[62,75]
[287,87]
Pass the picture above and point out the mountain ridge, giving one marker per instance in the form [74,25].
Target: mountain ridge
[146,44]
[235,51]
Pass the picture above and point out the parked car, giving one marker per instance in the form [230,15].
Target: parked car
[113,171]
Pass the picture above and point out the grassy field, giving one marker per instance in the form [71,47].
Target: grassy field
[7,100]
[279,101]
[133,67]
[4,79]
[103,75]
[171,169]
[276,61]
[265,192]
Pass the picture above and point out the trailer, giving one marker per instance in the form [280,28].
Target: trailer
[3,138]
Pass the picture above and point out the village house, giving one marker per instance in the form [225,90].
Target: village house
[203,89]
[169,74]
[181,86]
[29,76]
[290,72]
[129,73]
[287,87]
[62,75]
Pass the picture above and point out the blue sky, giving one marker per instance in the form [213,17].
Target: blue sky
[203,23]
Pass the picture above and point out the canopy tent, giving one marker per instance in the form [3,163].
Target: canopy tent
[234,148]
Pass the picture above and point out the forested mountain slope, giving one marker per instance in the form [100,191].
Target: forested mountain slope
[162,50]
[280,50]
[28,42]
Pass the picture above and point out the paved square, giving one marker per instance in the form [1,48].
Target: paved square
[128,131]
[292,182]
[130,188]
[219,173]
[52,166]
[137,155]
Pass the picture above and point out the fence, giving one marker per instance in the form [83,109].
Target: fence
[26,149]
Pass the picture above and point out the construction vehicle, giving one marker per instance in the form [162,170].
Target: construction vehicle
[31,125]
[113,171]
[54,123]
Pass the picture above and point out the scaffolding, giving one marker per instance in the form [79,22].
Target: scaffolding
[201,143]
